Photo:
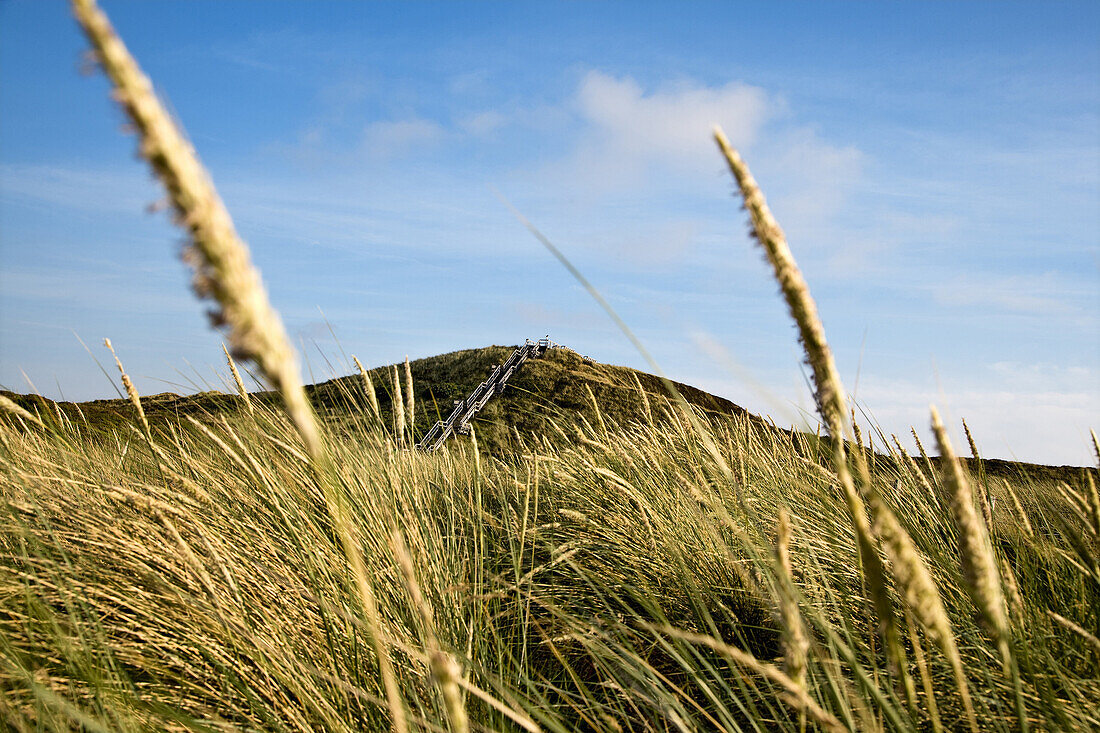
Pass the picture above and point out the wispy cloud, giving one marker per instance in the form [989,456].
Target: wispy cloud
[1042,294]
[394,138]
[672,122]
[1040,412]
[85,188]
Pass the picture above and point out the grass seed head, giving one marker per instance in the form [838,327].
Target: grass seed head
[795,644]
[368,387]
[239,382]
[223,270]
[131,390]
[979,567]
[398,408]
[410,396]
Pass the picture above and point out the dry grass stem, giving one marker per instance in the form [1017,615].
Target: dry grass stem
[922,597]
[925,674]
[398,408]
[410,398]
[368,387]
[830,395]
[829,391]
[131,392]
[1094,504]
[1089,638]
[797,697]
[1025,522]
[224,272]
[9,406]
[979,483]
[445,668]
[795,644]
[220,259]
[239,382]
[978,562]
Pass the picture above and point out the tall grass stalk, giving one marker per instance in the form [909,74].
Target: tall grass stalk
[238,381]
[219,257]
[398,409]
[979,565]
[368,387]
[20,412]
[445,670]
[131,392]
[410,399]
[223,271]
[914,579]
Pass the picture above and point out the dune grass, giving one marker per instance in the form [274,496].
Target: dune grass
[265,570]
[622,583]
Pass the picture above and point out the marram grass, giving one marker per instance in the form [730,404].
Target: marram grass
[223,270]
[539,591]
[611,577]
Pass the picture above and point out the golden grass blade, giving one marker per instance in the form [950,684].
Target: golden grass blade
[410,398]
[445,668]
[398,717]
[368,387]
[131,392]
[925,675]
[796,696]
[979,483]
[398,409]
[222,264]
[1094,504]
[795,644]
[19,412]
[1025,522]
[923,455]
[1090,639]
[645,399]
[240,383]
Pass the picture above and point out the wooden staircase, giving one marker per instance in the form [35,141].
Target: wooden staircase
[465,410]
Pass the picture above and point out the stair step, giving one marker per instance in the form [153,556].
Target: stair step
[465,410]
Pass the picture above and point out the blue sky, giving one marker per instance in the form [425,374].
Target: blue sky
[936,168]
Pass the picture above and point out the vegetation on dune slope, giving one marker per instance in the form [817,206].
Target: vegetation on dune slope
[196,583]
[545,399]
[557,389]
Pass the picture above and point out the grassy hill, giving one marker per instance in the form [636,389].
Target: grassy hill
[545,400]
[608,570]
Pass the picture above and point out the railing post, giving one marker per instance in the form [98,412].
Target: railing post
[465,409]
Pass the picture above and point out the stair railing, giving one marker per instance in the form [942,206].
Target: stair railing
[465,410]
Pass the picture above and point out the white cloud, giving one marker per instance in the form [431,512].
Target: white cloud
[1045,294]
[117,188]
[1028,412]
[483,123]
[390,138]
[657,142]
[673,122]
[812,177]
